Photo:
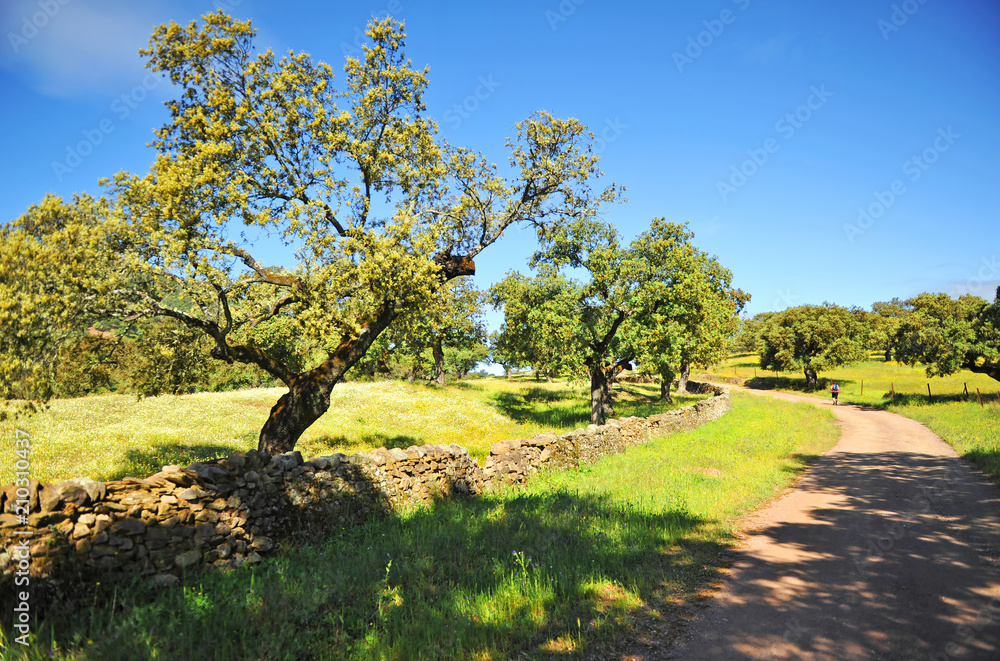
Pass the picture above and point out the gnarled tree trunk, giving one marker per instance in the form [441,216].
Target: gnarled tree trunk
[308,395]
[666,380]
[438,352]
[682,382]
[811,380]
[600,396]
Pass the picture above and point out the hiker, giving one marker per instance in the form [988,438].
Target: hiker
[835,390]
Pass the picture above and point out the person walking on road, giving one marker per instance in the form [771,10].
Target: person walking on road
[834,390]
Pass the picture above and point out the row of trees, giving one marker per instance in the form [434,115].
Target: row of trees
[942,333]
[658,303]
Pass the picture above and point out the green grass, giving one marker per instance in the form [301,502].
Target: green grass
[571,563]
[973,430]
[108,437]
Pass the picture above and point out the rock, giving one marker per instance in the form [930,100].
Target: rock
[192,494]
[185,560]
[129,526]
[96,491]
[262,544]
[49,498]
[139,497]
[320,463]
[73,493]
[87,519]
[209,472]
[398,454]
[164,581]
[236,461]
[500,447]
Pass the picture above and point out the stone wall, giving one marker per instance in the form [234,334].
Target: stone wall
[231,511]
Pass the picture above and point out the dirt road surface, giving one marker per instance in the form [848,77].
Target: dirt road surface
[888,548]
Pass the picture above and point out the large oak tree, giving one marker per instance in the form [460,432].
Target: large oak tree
[261,149]
[812,338]
[947,334]
[593,322]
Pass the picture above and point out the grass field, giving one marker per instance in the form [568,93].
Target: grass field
[112,436]
[571,563]
[973,430]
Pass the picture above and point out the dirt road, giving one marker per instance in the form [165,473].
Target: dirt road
[888,548]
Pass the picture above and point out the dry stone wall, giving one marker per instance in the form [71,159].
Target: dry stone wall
[227,512]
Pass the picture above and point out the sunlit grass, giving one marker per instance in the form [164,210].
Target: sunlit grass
[113,436]
[569,564]
[952,409]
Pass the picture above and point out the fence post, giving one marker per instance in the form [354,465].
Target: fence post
[862,386]
[980,396]
[929,398]
[966,391]
[892,387]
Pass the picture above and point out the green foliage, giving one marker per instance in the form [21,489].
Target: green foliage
[947,334]
[542,323]
[658,300]
[812,338]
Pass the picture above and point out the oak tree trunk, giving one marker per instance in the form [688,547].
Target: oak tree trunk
[600,396]
[308,395]
[811,380]
[666,380]
[682,382]
[438,352]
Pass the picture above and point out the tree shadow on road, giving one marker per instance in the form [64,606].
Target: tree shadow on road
[902,563]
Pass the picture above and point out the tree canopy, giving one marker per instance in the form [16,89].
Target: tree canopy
[603,324]
[812,338]
[380,210]
[947,334]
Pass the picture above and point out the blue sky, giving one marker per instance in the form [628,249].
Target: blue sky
[844,152]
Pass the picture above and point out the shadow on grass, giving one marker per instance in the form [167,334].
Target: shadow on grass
[366,441]
[792,383]
[559,408]
[143,463]
[502,576]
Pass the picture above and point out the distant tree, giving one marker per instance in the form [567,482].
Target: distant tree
[886,318]
[500,353]
[948,335]
[747,336]
[541,320]
[382,210]
[591,322]
[812,338]
[694,322]
[449,326]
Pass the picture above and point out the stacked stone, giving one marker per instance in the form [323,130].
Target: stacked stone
[513,462]
[229,511]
